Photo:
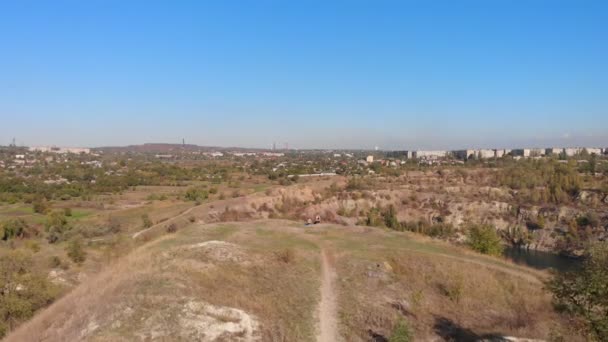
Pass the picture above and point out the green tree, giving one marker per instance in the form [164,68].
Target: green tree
[592,164]
[390,218]
[583,293]
[484,239]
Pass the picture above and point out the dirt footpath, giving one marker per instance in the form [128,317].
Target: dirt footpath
[328,310]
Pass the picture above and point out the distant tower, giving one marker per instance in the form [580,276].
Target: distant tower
[274,146]
[14,143]
[183,143]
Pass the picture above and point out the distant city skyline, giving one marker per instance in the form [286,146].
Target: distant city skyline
[287,147]
[315,74]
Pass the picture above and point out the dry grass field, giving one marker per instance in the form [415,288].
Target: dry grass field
[265,280]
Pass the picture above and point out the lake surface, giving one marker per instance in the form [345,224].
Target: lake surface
[540,260]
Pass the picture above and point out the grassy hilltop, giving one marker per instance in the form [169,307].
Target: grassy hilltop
[264,280]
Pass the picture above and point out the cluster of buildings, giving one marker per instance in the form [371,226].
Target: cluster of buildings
[498,153]
[59,150]
[27,157]
[217,154]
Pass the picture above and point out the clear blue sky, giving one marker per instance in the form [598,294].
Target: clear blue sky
[352,74]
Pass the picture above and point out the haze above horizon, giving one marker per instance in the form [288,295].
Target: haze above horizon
[314,74]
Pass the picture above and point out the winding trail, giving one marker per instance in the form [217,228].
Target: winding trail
[328,309]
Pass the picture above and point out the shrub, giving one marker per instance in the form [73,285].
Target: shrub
[401,333]
[286,255]
[114,225]
[452,289]
[23,292]
[192,219]
[229,215]
[40,206]
[356,183]
[33,246]
[55,262]
[147,223]
[374,218]
[67,212]
[484,239]
[289,205]
[172,228]
[75,250]
[196,195]
[390,218]
[540,222]
[590,219]
[14,228]
[56,225]
[583,293]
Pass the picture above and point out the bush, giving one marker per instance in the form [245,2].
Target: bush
[55,262]
[67,212]
[452,289]
[23,292]
[75,250]
[33,246]
[229,215]
[286,255]
[56,225]
[590,219]
[485,240]
[40,206]
[583,293]
[356,183]
[401,333]
[172,228]
[147,223]
[14,228]
[196,195]
[374,218]
[114,225]
[152,197]
[390,218]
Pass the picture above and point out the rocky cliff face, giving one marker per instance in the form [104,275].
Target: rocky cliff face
[556,228]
